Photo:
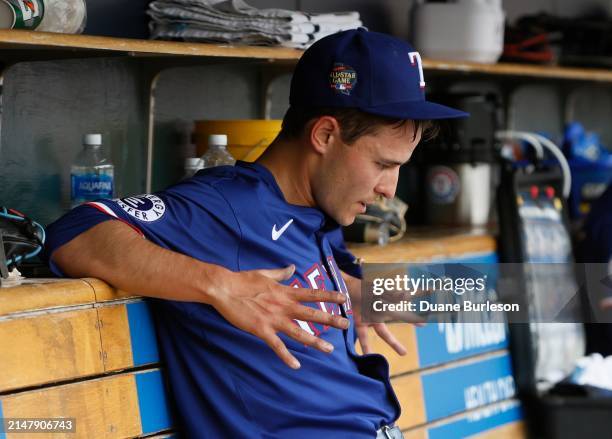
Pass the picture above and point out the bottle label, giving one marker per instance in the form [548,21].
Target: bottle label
[27,14]
[87,187]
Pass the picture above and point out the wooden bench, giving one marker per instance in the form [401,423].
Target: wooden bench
[81,349]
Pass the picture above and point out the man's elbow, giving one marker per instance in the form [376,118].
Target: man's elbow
[93,253]
[71,261]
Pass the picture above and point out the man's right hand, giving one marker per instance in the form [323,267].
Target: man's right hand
[257,303]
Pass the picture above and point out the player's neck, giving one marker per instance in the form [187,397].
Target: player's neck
[286,161]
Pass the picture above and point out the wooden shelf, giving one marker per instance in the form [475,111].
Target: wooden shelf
[527,70]
[21,44]
[21,40]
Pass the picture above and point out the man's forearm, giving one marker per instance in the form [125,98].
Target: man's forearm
[113,252]
[253,301]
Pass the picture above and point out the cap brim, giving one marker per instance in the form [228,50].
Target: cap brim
[422,110]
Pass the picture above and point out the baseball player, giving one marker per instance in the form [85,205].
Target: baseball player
[246,263]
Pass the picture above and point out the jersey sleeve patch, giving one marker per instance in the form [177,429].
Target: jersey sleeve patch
[145,208]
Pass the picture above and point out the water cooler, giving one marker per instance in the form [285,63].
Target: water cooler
[459,164]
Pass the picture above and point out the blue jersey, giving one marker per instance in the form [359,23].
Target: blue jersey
[224,381]
[597,245]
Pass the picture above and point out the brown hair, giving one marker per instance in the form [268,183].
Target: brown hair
[354,123]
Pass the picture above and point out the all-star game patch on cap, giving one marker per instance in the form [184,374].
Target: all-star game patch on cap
[376,73]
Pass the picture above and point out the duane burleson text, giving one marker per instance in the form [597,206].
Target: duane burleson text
[425,306]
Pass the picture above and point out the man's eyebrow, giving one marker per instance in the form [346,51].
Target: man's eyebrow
[392,162]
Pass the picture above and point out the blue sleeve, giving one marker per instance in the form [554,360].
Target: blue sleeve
[191,218]
[77,221]
[344,258]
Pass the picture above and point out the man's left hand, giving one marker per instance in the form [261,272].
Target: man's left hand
[354,287]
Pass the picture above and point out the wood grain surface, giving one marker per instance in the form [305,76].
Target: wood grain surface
[420,249]
[103,408]
[48,348]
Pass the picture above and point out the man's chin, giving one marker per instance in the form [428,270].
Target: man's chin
[347,220]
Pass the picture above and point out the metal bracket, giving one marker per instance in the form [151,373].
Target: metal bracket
[152,85]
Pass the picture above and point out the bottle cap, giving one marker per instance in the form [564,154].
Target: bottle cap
[92,139]
[217,139]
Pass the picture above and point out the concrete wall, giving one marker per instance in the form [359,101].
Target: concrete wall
[187,94]
[47,107]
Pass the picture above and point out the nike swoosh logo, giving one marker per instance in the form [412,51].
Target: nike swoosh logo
[277,233]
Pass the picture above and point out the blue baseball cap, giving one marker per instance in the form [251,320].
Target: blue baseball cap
[373,72]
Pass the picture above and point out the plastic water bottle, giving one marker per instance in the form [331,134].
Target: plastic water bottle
[192,165]
[217,153]
[92,174]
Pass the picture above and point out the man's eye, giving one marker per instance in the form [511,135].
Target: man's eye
[382,165]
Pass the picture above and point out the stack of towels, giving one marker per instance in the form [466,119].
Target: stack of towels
[235,22]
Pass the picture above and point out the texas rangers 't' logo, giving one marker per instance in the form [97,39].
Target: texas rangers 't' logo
[415,58]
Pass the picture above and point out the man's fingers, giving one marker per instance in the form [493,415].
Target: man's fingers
[279,348]
[314,295]
[308,314]
[278,274]
[364,342]
[384,333]
[298,334]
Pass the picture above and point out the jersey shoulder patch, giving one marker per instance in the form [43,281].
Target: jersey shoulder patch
[146,207]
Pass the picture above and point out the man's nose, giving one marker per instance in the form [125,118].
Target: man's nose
[388,184]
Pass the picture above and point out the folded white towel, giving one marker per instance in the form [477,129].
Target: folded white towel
[236,22]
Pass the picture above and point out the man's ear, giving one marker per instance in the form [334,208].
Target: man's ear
[324,131]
